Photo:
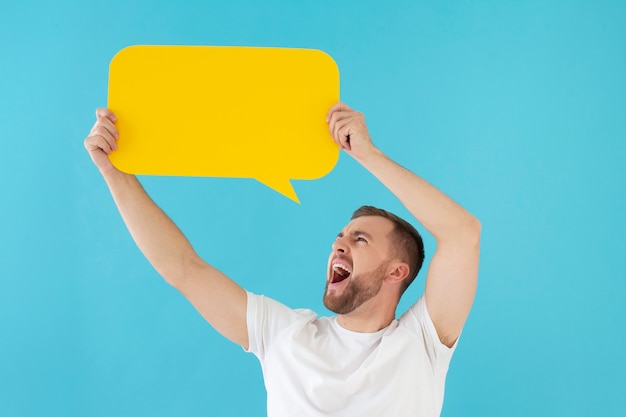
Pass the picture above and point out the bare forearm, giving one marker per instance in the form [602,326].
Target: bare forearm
[453,271]
[446,220]
[159,239]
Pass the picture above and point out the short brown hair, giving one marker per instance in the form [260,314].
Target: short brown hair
[406,241]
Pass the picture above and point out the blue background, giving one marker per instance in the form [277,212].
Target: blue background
[515,109]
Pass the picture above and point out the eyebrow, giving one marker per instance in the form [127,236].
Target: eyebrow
[357,233]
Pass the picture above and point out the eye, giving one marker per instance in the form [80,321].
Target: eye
[361,239]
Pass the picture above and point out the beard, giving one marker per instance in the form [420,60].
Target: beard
[359,289]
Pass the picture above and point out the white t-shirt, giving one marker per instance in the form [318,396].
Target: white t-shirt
[314,367]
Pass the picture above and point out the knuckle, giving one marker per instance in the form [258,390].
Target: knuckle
[101,131]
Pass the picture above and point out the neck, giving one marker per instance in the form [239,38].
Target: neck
[367,319]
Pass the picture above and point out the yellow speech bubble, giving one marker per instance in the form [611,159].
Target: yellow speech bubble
[236,112]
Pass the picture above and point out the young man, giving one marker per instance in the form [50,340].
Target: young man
[363,362]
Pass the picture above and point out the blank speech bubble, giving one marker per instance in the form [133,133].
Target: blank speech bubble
[236,112]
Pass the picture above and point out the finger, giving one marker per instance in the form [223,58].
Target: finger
[337,125]
[108,125]
[106,113]
[335,118]
[342,119]
[95,142]
[102,132]
[343,135]
[342,115]
[337,107]
[340,132]
[334,130]
[99,129]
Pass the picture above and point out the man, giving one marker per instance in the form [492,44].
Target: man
[363,362]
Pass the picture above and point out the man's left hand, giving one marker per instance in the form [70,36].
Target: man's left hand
[349,131]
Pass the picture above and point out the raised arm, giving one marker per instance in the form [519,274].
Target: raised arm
[453,272]
[218,299]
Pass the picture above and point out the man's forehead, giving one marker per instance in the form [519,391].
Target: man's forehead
[373,225]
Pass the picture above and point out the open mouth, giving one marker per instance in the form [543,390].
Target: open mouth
[339,273]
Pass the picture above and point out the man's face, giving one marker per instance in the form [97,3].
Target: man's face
[358,263]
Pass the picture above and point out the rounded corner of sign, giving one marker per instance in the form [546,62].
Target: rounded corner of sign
[121,54]
[326,56]
[335,159]
[119,164]
[328,166]
[331,67]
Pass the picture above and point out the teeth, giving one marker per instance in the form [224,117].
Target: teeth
[342,267]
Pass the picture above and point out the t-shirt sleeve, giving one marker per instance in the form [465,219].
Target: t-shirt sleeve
[419,317]
[266,318]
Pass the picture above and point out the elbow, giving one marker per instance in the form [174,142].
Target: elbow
[473,230]
[476,227]
[465,233]
[171,276]
[177,273]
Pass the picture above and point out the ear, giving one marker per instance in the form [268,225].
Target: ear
[397,272]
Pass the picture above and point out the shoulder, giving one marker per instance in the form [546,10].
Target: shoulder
[266,313]
[268,320]
[262,304]
[417,319]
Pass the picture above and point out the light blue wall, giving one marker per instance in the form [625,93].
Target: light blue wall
[515,109]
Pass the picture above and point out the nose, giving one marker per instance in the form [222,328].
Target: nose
[340,246]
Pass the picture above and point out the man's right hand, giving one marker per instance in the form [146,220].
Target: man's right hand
[102,140]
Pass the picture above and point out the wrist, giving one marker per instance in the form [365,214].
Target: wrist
[369,156]
[112,174]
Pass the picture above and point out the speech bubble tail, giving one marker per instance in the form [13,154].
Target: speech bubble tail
[282,186]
